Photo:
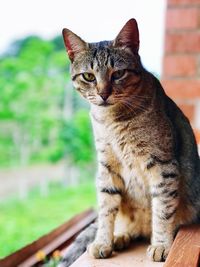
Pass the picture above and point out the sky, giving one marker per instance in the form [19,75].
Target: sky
[91,19]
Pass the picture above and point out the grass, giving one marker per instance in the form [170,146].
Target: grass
[21,222]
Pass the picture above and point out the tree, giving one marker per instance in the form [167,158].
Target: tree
[39,111]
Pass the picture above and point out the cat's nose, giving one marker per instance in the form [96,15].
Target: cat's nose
[104,96]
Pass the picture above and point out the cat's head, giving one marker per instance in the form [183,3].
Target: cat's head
[109,72]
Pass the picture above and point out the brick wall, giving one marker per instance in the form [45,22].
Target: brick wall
[181,63]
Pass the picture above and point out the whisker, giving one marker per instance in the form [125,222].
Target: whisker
[138,105]
[133,96]
[135,106]
[129,107]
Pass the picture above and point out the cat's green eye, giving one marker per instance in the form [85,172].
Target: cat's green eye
[89,77]
[118,74]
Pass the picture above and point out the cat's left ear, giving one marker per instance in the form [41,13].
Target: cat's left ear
[128,36]
[73,43]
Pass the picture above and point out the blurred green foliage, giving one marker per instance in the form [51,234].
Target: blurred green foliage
[41,117]
[22,222]
[78,134]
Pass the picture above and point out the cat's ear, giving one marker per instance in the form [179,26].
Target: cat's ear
[73,43]
[128,36]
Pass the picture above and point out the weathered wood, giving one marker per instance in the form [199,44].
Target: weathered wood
[185,252]
[134,256]
[57,239]
[186,248]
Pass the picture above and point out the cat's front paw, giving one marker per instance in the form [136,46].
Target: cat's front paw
[158,252]
[121,241]
[98,250]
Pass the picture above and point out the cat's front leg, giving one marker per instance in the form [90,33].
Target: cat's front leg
[165,199]
[109,189]
[102,247]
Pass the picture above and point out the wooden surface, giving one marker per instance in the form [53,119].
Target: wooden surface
[57,239]
[185,250]
[133,257]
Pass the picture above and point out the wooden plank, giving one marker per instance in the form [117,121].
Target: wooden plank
[134,256]
[185,250]
[57,239]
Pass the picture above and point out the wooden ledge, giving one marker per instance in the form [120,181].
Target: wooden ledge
[185,252]
[134,256]
[57,239]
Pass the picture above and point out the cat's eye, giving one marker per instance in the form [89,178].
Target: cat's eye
[89,77]
[118,74]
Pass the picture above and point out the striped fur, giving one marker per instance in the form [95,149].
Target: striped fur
[148,180]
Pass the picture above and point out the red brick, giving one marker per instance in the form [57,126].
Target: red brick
[183,42]
[182,89]
[179,65]
[197,135]
[188,110]
[183,2]
[183,18]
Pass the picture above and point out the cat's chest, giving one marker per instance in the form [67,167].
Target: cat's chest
[124,150]
[133,165]
[136,181]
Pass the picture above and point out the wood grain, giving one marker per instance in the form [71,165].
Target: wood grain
[186,248]
[57,239]
[135,256]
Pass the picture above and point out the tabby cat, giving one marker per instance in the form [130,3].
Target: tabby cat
[148,180]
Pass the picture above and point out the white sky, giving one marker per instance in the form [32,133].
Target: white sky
[91,19]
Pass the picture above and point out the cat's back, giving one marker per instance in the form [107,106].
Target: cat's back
[185,143]
[187,155]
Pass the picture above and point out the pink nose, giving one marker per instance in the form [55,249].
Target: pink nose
[104,96]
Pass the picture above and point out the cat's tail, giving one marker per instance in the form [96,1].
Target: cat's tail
[79,246]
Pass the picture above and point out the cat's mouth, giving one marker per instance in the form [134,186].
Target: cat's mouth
[105,104]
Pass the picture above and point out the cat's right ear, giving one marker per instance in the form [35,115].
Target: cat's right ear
[73,43]
[128,36]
